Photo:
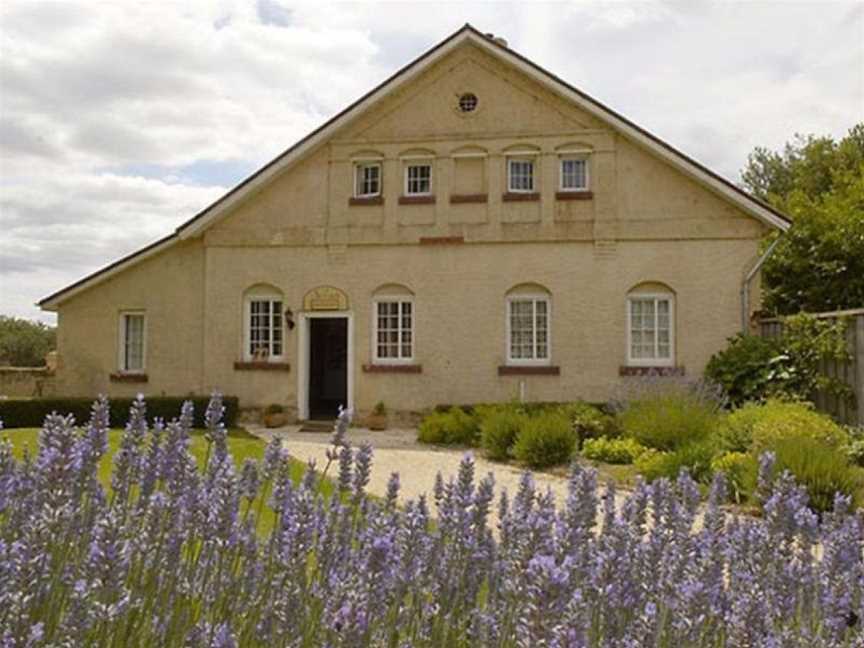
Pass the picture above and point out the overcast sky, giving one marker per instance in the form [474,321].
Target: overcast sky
[120,120]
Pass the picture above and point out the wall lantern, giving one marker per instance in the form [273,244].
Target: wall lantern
[289,319]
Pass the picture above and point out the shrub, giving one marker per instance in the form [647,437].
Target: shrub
[545,440]
[821,469]
[740,469]
[855,446]
[695,457]
[498,430]
[758,426]
[169,555]
[755,368]
[453,427]
[31,412]
[614,451]
[590,422]
[670,418]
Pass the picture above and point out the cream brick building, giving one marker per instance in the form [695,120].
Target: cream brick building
[473,229]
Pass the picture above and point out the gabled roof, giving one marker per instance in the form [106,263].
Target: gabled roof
[212,213]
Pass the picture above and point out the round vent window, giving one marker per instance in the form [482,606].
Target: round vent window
[468,102]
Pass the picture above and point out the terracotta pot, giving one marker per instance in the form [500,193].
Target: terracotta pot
[376,421]
[275,420]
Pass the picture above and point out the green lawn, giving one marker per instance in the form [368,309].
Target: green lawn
[241,445]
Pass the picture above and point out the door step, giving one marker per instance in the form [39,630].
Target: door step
[317,426]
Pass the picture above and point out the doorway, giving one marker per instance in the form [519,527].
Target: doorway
[328,366]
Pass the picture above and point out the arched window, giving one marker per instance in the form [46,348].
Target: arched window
[529,311]
[263,324]
[651,325]
[393,328]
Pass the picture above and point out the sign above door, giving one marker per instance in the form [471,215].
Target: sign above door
[325,298]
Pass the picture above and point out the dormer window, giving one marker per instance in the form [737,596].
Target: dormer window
[367,180]
[418,179]
[574,174]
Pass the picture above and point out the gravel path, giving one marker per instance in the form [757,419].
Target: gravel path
[417,464]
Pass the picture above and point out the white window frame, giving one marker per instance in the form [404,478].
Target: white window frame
[357,187]
[534,297]
[400,299]
[521,159]
[656,361]
[574,158]
[418,163]
[247,327]
[121,351]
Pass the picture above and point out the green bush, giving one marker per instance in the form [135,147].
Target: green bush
[545,440]
[741,470]
[669,419]
[453,427]
[855,446]
[614,451]
[758,426]
[755,368]
[590,422]
[695,457]
[498,430]
[821,469]
[31,412]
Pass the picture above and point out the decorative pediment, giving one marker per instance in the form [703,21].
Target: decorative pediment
[325,298]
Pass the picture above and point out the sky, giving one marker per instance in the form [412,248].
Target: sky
[120,120]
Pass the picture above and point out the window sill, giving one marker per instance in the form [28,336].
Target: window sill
[416,200]
[122,377]
[517,196]
[456,199]
[371,200]
[393,368]
[529,370]
[640,370]
[257,365]
[441,240]
[574,195]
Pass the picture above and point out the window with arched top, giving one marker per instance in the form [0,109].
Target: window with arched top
[651,325]
[529,312]
[393,324]
[263,324]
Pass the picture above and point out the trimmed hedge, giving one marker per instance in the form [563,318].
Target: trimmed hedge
[31,412]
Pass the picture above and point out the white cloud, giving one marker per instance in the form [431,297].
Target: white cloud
[118,121]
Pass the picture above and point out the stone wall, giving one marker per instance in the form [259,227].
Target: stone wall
[26,382]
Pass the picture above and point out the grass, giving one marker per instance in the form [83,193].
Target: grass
[241,445]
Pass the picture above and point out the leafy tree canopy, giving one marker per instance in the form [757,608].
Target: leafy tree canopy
[24,343]
[819,182]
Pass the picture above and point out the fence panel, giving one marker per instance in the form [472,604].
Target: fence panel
[851,372]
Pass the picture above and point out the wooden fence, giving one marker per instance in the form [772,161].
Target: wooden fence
[851,372]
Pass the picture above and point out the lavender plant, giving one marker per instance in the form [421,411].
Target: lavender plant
[170,556]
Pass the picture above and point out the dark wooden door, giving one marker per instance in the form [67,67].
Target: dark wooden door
[328,366]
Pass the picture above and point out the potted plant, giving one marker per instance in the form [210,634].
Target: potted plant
[274,416]
[377,420]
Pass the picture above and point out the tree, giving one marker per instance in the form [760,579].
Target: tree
[818,265]
[24,343]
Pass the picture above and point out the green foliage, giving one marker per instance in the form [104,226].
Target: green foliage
[818,265]
[380,409]
[24,343]
[695,457]
[274,408]
[590,422]
[823,470]
[31,412]
[453,427]
[759,426]
[669,418]
[754,368]
[614,451]
[545,440]
[741,470]
[855,446]
[498,430]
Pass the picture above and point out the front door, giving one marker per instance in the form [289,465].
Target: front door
[328,366]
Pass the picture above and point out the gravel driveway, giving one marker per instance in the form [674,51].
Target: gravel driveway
[417,464]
